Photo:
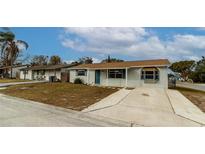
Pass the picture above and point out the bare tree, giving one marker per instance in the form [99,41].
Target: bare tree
[39,60]
[10,48]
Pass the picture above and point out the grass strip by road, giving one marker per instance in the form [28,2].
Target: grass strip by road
[67,95]
[195,96]
[12,80]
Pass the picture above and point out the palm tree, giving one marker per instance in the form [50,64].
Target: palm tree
[10,48]
[54,60]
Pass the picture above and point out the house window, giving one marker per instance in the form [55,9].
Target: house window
[156,75]
[150,74]
[117,73]
[142,75]
[81,72]
[25,72]
[41,72]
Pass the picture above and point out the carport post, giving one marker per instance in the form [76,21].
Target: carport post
[55,72]
[126,77]
[107,77]
[87,76]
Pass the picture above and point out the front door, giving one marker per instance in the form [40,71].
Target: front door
[97,76]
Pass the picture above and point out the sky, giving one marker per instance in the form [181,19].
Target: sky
[127,43]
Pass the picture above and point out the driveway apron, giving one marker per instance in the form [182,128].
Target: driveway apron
[145,107]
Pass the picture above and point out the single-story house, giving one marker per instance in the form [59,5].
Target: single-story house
[45,72]
[5,72]
[124,74]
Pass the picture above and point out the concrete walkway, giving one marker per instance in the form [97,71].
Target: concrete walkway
[20,112]
[184,107]
[145,107]
[109,101]
[17,83]
[191,85]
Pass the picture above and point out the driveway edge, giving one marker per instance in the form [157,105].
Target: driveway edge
[185,108]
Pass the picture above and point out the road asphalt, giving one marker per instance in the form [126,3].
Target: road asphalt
[192,85]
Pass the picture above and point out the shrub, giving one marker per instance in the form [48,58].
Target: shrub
[78,81]
[195,76]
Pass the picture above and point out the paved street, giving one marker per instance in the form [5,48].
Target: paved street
[19,112]
[191,85]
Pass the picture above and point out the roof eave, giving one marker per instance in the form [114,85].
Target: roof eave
[75,68]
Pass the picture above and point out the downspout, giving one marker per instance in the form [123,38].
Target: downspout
[126,77]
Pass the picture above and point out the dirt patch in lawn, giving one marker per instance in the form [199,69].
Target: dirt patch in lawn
[67,95]
[195,96]
[12,80]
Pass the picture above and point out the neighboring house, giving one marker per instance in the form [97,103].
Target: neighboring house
[5,72]
[45,72]
[179,77]
[124,74]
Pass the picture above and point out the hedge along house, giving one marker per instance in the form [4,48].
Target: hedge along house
[44,72]
[124,74]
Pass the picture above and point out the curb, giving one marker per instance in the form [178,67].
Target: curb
[87,117]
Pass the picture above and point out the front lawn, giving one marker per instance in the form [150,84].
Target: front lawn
[195,96]
[11,80]
[67,95]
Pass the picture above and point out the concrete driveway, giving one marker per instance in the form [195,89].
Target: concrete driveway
[144,107]
[20,112]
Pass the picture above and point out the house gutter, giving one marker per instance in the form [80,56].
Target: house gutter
[119,67]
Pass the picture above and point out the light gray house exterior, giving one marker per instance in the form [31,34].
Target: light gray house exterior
[5,72]
[148,73]
[44,72]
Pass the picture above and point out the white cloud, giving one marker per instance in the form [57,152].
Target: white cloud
[135,42]
[21,47]
[68,61]
[193,58]
[96,60]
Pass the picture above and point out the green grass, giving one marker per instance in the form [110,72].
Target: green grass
[195,96]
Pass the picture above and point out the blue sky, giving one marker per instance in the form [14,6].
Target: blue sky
[124,43]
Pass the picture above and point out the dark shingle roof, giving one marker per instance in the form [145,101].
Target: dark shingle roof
[49,67]
[143,63]
[15,66]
